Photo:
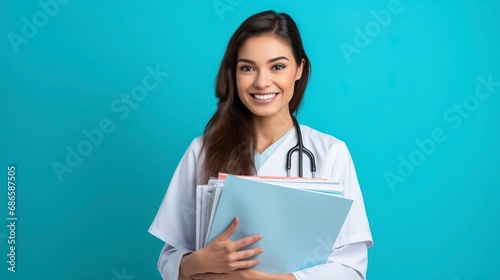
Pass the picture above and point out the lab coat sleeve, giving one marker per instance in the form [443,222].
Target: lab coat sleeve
[170,261]
[175,220]
[347,262]
[348,257]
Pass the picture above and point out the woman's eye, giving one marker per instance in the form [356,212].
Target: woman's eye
[246,68]
[278,67]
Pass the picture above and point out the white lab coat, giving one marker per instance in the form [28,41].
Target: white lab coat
[175,221]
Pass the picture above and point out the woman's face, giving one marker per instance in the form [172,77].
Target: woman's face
[266,72]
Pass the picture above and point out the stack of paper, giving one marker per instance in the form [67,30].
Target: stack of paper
[207,198]
[299,219]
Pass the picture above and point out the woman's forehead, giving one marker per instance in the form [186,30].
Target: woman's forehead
[263,48]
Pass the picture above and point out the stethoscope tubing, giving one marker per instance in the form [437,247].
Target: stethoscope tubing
[302,150]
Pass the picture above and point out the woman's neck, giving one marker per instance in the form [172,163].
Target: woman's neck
[268,130]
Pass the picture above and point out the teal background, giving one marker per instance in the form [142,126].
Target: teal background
[442,221]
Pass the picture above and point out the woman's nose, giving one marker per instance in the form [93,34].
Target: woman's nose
[262,80]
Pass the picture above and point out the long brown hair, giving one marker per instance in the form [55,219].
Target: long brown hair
[229,137]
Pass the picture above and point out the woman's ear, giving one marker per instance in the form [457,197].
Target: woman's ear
[298,74]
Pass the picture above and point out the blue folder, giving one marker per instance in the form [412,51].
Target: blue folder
[298,227]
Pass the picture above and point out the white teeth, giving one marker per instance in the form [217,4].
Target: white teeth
[264,96]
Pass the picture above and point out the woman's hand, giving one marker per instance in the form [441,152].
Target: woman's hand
[243,274]
[221,255]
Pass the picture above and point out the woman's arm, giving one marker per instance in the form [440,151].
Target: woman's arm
[220,256]
[244,274]
[348,262]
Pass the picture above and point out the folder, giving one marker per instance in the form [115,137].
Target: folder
[314,184]
[298,226]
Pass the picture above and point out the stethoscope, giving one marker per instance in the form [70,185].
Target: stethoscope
[302,150]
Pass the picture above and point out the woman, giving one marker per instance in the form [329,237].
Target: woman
[260,84]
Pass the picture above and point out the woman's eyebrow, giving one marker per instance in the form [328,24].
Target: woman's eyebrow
[269,61]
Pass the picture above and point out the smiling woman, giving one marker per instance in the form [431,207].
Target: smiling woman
[265,56]
[260,85]
[266,81]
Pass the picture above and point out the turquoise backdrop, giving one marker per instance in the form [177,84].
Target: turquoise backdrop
[99,100]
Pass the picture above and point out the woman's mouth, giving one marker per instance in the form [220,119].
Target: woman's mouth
[264,98]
